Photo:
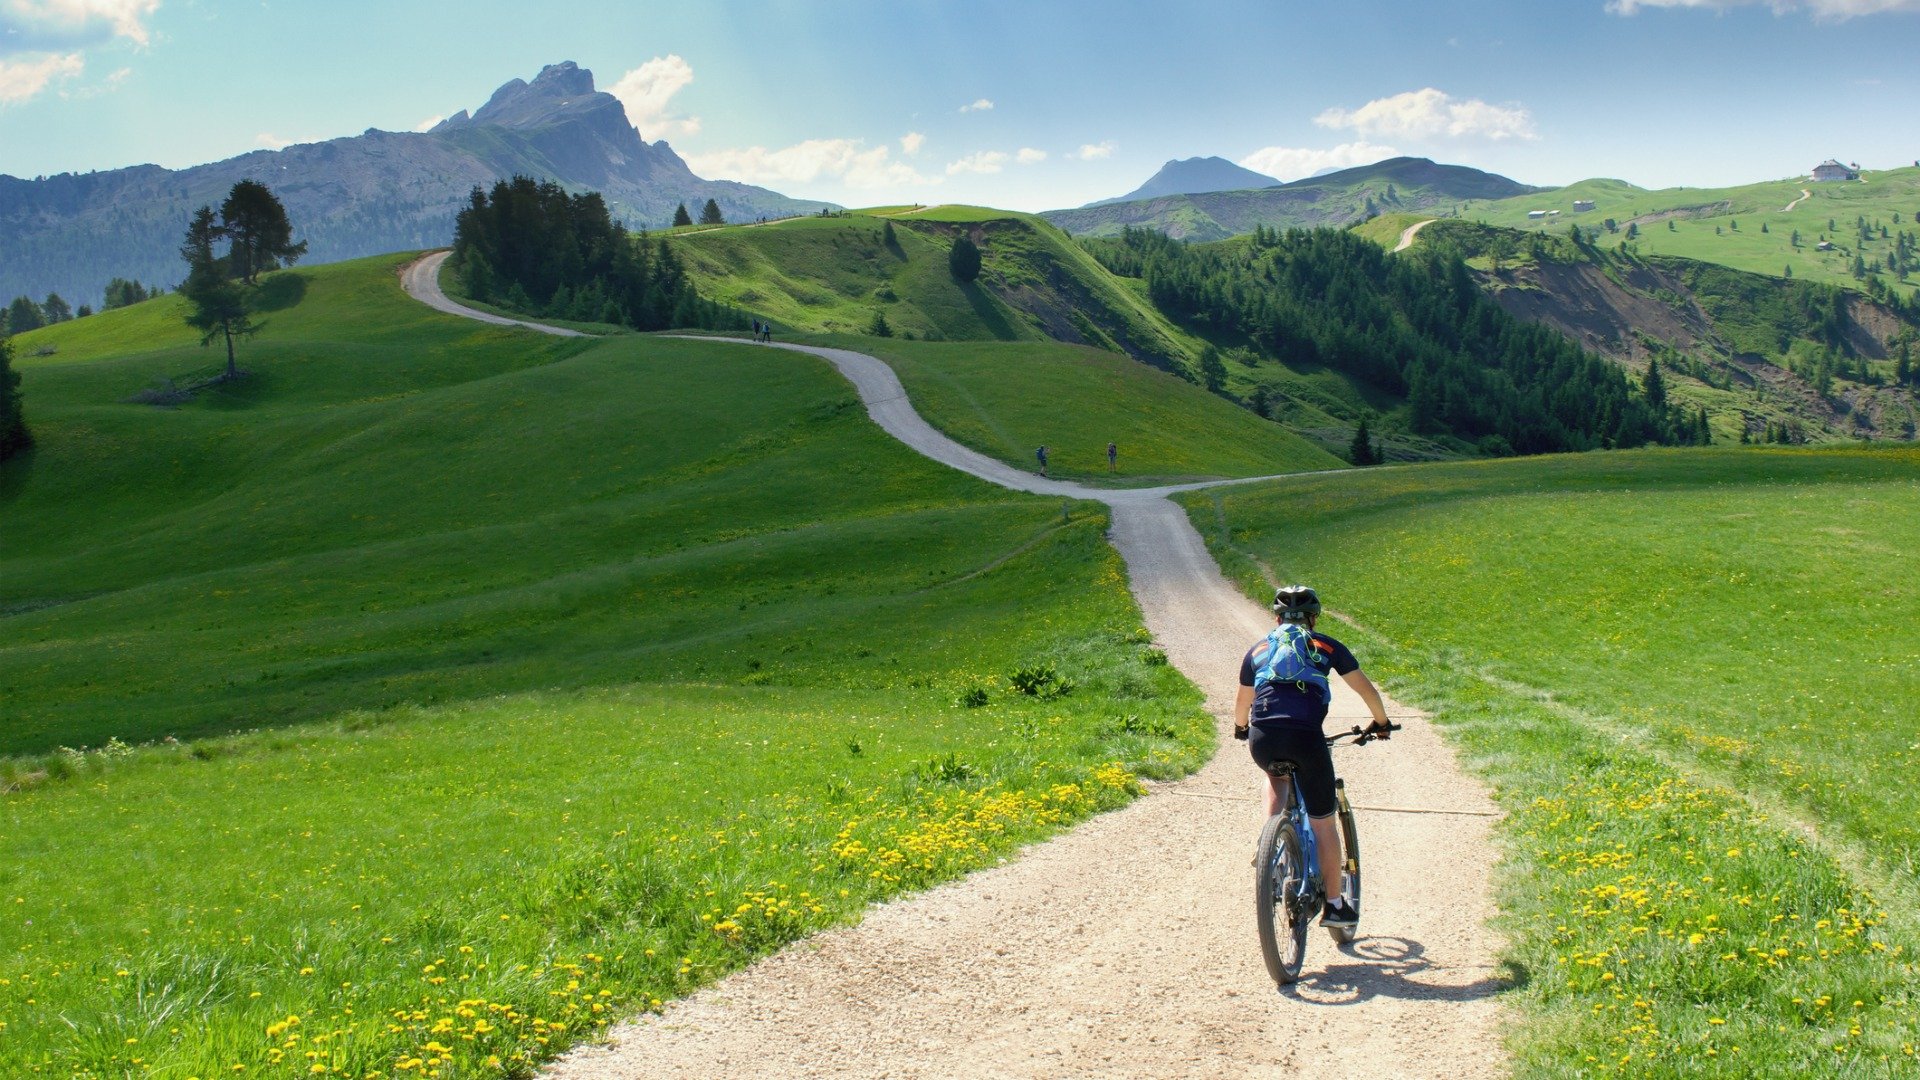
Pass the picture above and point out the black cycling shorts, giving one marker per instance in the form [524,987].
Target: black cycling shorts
[1306,747]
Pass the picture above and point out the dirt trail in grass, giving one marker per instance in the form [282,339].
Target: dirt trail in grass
[1804,196]
[1407,234]
[1126,946]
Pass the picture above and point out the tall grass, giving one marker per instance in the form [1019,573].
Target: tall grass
[1677,669]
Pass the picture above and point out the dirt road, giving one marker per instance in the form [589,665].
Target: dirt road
[1407,234]
[1126,947]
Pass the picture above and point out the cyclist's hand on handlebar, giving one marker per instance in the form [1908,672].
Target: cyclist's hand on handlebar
[1240,733]
[1380,730]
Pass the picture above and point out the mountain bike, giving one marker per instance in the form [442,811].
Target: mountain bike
[1288,892]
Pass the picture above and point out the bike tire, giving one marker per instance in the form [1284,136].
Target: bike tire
[1279,876]
[1350,836]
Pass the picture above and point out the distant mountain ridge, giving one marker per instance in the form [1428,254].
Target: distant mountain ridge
[361,195]
[1195,176]
[1335,199]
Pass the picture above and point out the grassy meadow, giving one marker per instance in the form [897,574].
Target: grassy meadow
[1005,399]
[1688,676]
[439,692]
[1724,225]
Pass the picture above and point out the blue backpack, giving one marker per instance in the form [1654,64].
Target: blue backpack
[1287,656]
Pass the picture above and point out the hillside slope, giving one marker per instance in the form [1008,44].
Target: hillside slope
[1755,351]
[376,192]
[836,274]
[1774,228]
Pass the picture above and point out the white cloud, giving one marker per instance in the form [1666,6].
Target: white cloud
[1430,114]
[980,105]
[986,161]
[647,92]
[1294,163]
[77,21]
[1029,156]
[911,142]
[849,160]
[22,79]
[275,142]
[1825,10]
[429,123]
[1094,151]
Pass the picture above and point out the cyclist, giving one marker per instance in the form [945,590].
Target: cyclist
[1280,718]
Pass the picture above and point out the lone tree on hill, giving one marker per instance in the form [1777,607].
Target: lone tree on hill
[1213,370]
[14,435]
[216,304]
[256,224]
[1361,451]
[681,217]
[963,261]
[710,214]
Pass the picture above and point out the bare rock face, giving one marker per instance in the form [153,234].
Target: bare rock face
[371,193]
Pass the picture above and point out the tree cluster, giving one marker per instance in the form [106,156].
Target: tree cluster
[23,314]
[1414,326]
[533,247]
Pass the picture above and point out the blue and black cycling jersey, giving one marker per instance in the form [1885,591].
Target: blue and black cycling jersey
[1286,703]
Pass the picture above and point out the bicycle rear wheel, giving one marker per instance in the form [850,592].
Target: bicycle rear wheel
[1350,836]
[1280,880]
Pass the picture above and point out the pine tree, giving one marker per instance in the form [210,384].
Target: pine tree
[1213,371]
[710,214]
[878,326]
[1360,451]
[1653,386]
[681,217]
[253,219]
[14,436]
[216,305]
[56,308]
[24,315]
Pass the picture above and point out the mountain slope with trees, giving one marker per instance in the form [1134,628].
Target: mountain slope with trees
[1770,358]
[376,192]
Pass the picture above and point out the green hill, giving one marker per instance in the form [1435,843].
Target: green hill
[438,693]
[1766,228]
[1337,199]
[836,274]
[1703,862]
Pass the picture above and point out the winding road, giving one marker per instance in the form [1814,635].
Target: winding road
[1407,234]
[1126,946]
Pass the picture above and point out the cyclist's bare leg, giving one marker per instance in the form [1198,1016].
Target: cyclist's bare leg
[1326,837]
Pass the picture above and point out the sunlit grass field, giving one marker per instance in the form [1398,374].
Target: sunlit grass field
[1689,676]
[439,693]
[1723,225]
[1005,399]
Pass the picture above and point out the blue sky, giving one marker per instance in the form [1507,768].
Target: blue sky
[1028,105]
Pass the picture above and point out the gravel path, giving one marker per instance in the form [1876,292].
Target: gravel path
[1407,234]
[1126,946]
[421,279]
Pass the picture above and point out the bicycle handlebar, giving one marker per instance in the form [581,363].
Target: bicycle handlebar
[1362,736]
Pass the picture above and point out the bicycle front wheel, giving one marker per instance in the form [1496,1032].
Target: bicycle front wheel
[1280,882]
[1350,834]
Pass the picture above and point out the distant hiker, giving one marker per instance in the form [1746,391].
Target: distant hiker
[1113,456]
[756,329]
[766,332]
[1283,700]
[1042,455]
